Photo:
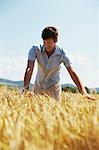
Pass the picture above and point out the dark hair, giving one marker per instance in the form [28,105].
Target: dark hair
[50,32]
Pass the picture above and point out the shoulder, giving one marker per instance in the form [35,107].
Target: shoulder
[60,50]
[34,48]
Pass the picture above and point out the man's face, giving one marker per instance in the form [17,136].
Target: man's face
[49,44]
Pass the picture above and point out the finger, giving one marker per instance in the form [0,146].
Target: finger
[93,98]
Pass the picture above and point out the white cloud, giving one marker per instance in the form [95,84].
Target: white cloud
[80,59]
[14,68]
[85,69]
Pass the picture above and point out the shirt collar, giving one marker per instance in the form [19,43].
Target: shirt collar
[57,49]
[42,48]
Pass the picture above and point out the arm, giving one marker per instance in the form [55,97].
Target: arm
[28,73]
[77,81]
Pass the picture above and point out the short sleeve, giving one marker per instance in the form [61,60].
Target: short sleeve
[65,59]
[32,53]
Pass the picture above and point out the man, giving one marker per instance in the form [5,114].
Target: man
[49,57]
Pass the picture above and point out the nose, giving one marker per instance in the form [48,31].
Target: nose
[46,42]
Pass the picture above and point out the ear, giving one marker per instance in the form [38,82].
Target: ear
[56,40]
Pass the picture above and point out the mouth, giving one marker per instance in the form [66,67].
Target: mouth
[48,47]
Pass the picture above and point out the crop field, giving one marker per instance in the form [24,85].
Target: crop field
[38,122]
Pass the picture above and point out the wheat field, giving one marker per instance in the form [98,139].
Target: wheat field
[38,122]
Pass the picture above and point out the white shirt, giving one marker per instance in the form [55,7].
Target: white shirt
[48,73]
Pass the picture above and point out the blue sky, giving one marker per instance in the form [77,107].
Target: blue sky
[21,24]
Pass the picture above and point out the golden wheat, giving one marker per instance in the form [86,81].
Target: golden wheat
[38,122]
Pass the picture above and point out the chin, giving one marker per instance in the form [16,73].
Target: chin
[48,49]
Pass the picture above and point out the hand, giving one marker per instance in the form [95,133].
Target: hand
[86,95]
